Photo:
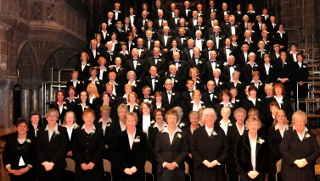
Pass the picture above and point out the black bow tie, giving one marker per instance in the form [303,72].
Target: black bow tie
[212,61]
[140,48]
[232,25]
[152,77]
[149,39]
[135,60]
[172,76]
[190,92]
[210,93]
[228,48]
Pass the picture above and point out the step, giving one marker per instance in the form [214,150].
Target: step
[313,116]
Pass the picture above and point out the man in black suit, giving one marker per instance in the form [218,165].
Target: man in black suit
[193,21]
[225,51]
[156,11]
[186,95]
[176,79]
[137,65]
[157,22]
[197,61]
[175,21]
[186,11]
[213,63]
[157,61]
[206,52]
[93,52]
[229,68]
[181,38]
[142,23]
[153,81]
[142,51]
[181,65]
[121,35]
[223,12]
[232,28]
[212,17]
[217,38]
[170,13]
[188,51]
[211,9]
[165,39]
[148,42]
[199,26]
[210,97]
[170,98]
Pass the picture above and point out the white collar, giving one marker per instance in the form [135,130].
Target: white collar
[305,129]
[74,126]
[166,130]
[276,127]
[93,128]
[163,126]
[109,120]
[55,127]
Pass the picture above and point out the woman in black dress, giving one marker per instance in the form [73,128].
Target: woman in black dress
[19,154]
[60,105]
[209,149]
[275,135]
[34,124]
[157,125]
[82,105]
[51,149]
[87,149]
[70,124]
[251,153]
[235,131]
[171,149]
[131,150]
[72,98]
[300,150]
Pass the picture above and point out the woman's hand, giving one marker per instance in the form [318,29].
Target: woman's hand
[14,172]
[190,155]
[171,166]
[106,146]
[69,154]
[24,170]
[84,166]
[90,165]
[133,169]
[128,171]
[253,174]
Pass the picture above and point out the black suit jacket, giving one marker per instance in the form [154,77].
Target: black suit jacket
[83,74]
[274,140]
[207,101]
[110,57]
[247,105]
[79,85]
[161,65]
[88,148]
[158,85]
[226,72]
[207,73]
[175,152]
[271,77]
[185,38]
[242,155]
[140,68]
[127,158]
[175,100]
[199,66]
[13,150]
[53,150]
[183,69]
[162,42]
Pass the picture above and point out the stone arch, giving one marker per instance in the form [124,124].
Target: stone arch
[27,64]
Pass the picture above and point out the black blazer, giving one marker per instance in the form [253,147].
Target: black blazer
[182,69]
[62,113]
[161,65]
[158,85]
[271,77]
[274,140]
[13,150]
[88,148]
[201,62]
[140,68]
[207,101]
[247,105]
[83,74]
[233,136]
[79,85]
[242,155]
[175,152]
[175,100]
[127,158]
[78,112]
[53,150]
[292,148]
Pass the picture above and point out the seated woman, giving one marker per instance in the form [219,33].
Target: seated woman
[171,149]
[51,148]
[87,149]
[300,150]
[131,150]
[251,153]
[275,135]
[19,154]
[209,149]
[70,124]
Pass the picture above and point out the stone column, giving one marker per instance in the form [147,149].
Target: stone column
[25,103]
[6,105]
[34,99]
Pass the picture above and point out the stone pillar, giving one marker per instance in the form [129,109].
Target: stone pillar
[25,103]
[6,105]
[34,100]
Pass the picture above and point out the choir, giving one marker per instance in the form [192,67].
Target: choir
[211,88]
